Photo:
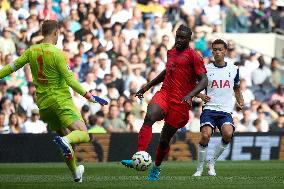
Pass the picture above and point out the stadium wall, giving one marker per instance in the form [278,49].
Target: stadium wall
[114,147]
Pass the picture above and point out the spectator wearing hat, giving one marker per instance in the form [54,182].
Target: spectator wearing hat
[34,124]
[104,63]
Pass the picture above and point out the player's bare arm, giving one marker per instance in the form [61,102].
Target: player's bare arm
[202,84]
[239,97]
[205,98]
[160,78]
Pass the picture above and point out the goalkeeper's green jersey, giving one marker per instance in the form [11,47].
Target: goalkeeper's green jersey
[51,75]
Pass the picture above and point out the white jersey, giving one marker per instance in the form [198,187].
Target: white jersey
[221,81]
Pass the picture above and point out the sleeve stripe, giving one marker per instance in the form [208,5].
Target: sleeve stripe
[13,66]
[237,78]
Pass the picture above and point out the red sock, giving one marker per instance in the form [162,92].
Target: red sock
[160,154]
[144,137]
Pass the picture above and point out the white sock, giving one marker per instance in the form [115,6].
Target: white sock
[66,139]
[219,149]
[202,152]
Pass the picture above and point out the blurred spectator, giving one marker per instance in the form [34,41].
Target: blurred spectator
[27,101]
[231,56]
[130,122]
[4,129]
[104,63]
[260,19]
[279,95]
[238,126]
[7,45]
[276,74]
[116,78]
[247,120]
[237,18]
[261,75]
[17,98]
[96,123]
[278,125]
[34,125]
[246,92]
[257,125]
[113,123]
[261,123]
[85,112]
[89,81]
[249,66]
[47,12]
[14,125]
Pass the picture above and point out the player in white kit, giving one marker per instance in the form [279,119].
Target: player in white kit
[223,82]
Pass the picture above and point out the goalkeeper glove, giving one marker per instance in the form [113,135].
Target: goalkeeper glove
[95,99]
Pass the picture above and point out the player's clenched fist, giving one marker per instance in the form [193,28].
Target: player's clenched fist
[188,99]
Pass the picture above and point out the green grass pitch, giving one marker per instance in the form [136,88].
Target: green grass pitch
[174,175]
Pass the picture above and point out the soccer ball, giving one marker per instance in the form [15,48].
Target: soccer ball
[141,161]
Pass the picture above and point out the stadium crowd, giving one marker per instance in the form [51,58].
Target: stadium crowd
[116,46]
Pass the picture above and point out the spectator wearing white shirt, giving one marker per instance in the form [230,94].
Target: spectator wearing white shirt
[104,65]
[247,93]
[34,125]
[262,74]
[27,101]
[89,81]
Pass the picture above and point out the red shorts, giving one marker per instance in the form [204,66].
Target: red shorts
[176,113]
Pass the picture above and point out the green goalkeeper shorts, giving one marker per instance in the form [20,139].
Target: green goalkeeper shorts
[60,115]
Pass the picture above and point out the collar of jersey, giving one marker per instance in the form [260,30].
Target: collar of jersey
[220,66]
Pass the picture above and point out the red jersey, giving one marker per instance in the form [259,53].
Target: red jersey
[182,69]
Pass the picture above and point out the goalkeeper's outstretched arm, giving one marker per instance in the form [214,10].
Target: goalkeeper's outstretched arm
[14,66]
[73,83]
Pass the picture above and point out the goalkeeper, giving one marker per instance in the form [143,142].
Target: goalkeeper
[52,80]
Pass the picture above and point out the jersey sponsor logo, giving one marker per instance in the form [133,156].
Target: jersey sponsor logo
[220,84]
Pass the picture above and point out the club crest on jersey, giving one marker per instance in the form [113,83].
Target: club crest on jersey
[220,84]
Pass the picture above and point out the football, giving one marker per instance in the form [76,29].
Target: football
[141,161]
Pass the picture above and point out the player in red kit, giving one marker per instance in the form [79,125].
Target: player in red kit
[183,78]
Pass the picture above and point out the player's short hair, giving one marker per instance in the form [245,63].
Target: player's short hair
[220,41]
[186,29]
[48,26]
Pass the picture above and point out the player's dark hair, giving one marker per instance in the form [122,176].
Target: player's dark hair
[185,29]
[48,26]
[220,41]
